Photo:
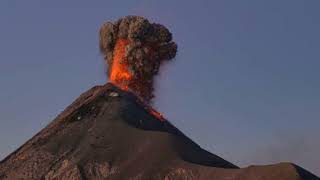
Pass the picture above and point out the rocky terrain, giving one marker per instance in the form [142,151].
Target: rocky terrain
[107,134]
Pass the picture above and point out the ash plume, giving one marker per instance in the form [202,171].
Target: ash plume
[133,50]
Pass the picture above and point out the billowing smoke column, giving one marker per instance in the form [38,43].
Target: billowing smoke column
[134,49]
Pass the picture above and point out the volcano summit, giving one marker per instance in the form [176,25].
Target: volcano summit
[111,131]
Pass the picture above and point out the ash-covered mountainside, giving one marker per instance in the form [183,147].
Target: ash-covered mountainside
[107,134]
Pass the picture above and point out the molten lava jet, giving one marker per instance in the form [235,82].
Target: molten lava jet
[134,49]
[120,74]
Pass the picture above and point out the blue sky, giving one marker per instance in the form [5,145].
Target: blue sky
[244,85]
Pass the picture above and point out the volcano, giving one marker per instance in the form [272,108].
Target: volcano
[112,131]
[108,134]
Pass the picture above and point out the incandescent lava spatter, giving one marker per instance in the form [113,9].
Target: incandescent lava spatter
[134,49]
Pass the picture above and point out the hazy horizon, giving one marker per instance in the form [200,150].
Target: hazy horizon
[244,85]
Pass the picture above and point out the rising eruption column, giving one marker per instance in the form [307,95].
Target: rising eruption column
[133,50]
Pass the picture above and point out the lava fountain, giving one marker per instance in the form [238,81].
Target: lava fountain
[120,74]
[133,50]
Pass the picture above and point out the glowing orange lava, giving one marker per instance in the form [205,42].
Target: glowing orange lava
[157,114]
[120,74]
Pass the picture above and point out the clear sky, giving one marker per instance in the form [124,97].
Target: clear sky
[245,84]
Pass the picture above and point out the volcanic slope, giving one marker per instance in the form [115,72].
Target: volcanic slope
[107,134]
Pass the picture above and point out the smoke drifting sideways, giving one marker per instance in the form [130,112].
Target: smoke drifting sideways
[133,50]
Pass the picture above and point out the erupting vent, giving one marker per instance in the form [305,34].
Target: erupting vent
[134,50]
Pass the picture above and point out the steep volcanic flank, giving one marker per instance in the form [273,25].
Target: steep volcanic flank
[107,134]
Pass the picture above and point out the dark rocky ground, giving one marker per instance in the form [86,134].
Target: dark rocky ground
[107,134]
